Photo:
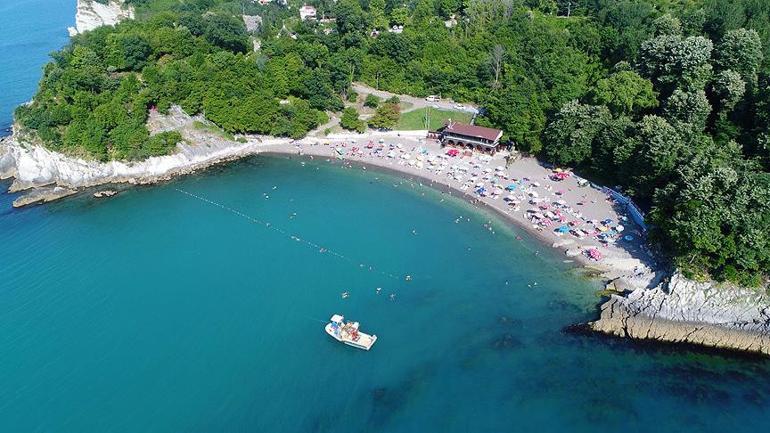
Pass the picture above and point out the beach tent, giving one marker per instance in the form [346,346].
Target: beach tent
[594,254]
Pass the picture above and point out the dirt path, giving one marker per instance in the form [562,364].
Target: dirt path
[416,103]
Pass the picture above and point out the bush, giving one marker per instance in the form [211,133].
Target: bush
[386,116]
[371,101]
[350,120]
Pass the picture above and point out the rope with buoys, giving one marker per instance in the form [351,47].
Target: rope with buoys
[269,226]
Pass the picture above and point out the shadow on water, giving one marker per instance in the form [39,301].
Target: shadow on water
[581,334]
[389,402]
[690,373]
[501,336]
[386,403]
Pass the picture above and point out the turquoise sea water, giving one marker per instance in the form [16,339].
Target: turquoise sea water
[157,312]
[31,29]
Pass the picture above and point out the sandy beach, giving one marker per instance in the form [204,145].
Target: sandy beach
[539,203]
[566,213]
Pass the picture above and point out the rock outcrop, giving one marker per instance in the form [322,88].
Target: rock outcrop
[682,310]
[92,14]
[32,166]
[43,195]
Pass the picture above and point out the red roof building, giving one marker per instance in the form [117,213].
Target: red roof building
[472,136]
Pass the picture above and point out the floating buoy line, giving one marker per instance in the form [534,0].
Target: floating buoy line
[320,249]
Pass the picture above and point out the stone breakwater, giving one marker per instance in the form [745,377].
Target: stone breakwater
[685,311]
[92,14]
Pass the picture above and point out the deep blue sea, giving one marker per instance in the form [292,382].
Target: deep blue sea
[156,311]
[31,29]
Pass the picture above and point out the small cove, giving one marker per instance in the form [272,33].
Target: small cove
[153,311]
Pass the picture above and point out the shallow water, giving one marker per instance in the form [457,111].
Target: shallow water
[155,311]
[31,29]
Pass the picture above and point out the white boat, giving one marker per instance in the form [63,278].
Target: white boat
[348,333]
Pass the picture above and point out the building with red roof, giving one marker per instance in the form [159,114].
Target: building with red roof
[471,136]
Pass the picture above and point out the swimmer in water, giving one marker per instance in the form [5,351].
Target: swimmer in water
[345,295]
[378,290]
[392,296]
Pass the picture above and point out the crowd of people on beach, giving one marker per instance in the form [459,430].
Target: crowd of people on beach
[553,202]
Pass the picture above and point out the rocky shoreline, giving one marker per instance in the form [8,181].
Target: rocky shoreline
[684,311]
[44,175]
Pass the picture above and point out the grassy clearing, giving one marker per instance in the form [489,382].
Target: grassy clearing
[213,129]
[414,120]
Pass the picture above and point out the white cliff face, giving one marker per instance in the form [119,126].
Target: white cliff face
[92,14]
[688,311]
[34,166]
[7,162]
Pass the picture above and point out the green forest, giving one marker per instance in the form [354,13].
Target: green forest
[667,99]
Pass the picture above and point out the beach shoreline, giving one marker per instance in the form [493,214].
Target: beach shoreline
[670,318]
[443,186]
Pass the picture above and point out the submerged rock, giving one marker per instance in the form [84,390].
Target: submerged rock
[686,311]
[105,193]
[506,341]
[43,195]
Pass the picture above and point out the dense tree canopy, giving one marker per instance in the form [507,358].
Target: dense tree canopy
[670,100]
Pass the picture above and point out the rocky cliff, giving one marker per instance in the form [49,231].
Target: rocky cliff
[92,14]
[32,166]
[682,310]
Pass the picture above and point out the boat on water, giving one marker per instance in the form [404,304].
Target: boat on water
[348,333]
